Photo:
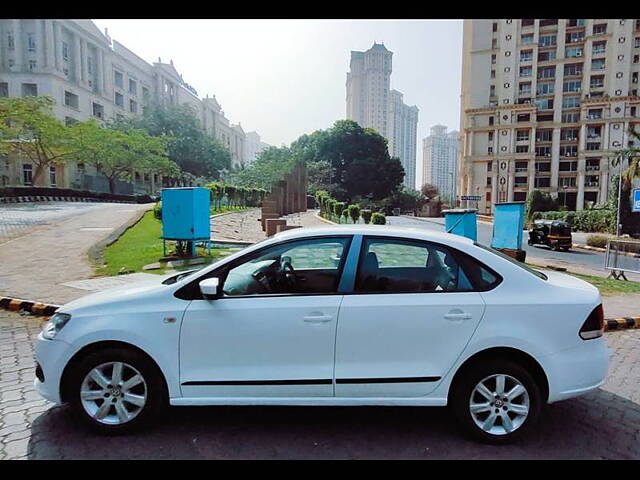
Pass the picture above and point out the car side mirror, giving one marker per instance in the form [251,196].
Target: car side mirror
[209,288]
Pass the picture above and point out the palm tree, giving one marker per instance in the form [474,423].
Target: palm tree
[632,153]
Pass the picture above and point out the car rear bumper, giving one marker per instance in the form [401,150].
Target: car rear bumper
[577,371]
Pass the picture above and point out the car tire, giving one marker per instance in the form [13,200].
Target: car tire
[109,406]
[467,396]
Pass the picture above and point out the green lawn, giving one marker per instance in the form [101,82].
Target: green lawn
[609,286]
[141,245]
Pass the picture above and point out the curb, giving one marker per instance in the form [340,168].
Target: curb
[47,198]
[324,219]
[35,308]
[621,323]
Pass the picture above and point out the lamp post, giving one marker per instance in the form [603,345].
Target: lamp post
[619,157]
[451,199]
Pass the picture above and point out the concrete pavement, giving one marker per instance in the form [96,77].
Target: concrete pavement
[36,264]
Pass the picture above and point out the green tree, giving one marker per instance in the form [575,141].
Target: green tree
[28,127]
[188,145]
[117,154]
[359,160]
[354,213]
[270,166]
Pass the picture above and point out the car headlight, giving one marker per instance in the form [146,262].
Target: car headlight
[55,324]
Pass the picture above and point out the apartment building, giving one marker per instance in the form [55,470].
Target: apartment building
[440,160]
[89,75]
[373,104]
[403,121]
[545,103]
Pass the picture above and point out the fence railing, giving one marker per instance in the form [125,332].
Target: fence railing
[622,256]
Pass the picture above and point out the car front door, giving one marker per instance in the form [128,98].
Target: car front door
[271,333]
[412,311]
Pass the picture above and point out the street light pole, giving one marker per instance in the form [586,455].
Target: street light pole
[619,195]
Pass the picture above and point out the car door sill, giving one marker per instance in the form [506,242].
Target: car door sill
[315,401]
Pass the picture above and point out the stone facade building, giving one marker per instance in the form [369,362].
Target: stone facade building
[89,75]
[372,104]
[544,105]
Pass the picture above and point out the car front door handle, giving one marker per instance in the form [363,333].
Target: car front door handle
[318,318]
[458,315]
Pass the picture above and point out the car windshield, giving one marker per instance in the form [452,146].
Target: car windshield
[513,260]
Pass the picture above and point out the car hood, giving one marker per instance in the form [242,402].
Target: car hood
[137,290]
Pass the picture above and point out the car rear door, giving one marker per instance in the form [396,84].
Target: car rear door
[411,313]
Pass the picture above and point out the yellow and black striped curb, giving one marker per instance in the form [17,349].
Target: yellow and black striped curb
[35,308]
[621,323]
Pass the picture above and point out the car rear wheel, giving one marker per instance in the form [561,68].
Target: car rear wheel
[497,401]
[116,390]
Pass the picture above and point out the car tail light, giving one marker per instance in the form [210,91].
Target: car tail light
[593,326]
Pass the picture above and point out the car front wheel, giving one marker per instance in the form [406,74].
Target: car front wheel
[497,402]
[115,390]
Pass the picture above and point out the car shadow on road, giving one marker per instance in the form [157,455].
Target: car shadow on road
[598,425]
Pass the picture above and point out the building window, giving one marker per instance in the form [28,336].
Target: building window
[544,135]
[571,86]
[527,39]
[573,69]
[571,117]
[569,134]
[522,148]
[495,26]
[71,99]
[133,106]
[597,64]
[547,56]
[4,89]
[32,65]
[522,135]
[574,37]
[547,72]
[119,100]
[526,55]
[29,90]
[598,47]
[98,110]
[31,42]
[600,29]
[52,176]
[493,59]
[118,79]
[636,43]
[597,81]
[27,174]
[594,114]
[572,52]
[10,41]
[65,51]
[545,88]
[526,71]
[68,121]
[133,87]
[547,40]
[570,102]
[527,22]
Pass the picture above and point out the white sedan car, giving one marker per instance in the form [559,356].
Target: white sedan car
[344,315]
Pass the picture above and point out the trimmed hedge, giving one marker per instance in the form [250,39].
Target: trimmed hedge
[597,241]
[601,220]
[378,219]
[72,193]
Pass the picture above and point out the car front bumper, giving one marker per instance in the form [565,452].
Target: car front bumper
[51,355]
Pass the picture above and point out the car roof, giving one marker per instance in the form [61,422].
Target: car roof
[379,230]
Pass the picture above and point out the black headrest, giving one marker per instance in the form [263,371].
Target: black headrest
[370,263]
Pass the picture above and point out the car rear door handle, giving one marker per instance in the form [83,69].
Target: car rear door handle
[318,318]
[457,315]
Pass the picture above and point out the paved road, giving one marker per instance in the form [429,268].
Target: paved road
[18,219]
[603,424]
[592,260]
[51,244]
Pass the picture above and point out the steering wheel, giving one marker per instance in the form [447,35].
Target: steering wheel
[286,269]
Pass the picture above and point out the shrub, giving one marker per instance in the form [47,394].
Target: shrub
[354,213]
[600,220]
[597,241]
[345,214]
[378,219]
[338,208]
[366,215]
[157,210]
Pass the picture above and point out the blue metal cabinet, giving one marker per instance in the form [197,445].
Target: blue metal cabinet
[185,213]
[508,223]
[461,221]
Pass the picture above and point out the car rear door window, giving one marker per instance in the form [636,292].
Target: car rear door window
[406,266]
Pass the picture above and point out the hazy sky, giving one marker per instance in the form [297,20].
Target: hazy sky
[283,78]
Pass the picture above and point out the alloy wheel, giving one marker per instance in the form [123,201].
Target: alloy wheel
[113,393]
[499,404]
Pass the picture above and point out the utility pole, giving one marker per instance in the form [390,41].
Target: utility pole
[619,195]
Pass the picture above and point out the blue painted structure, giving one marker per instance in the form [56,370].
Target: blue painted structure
[508,223]
[461,221]
[635,207]
[185,214]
